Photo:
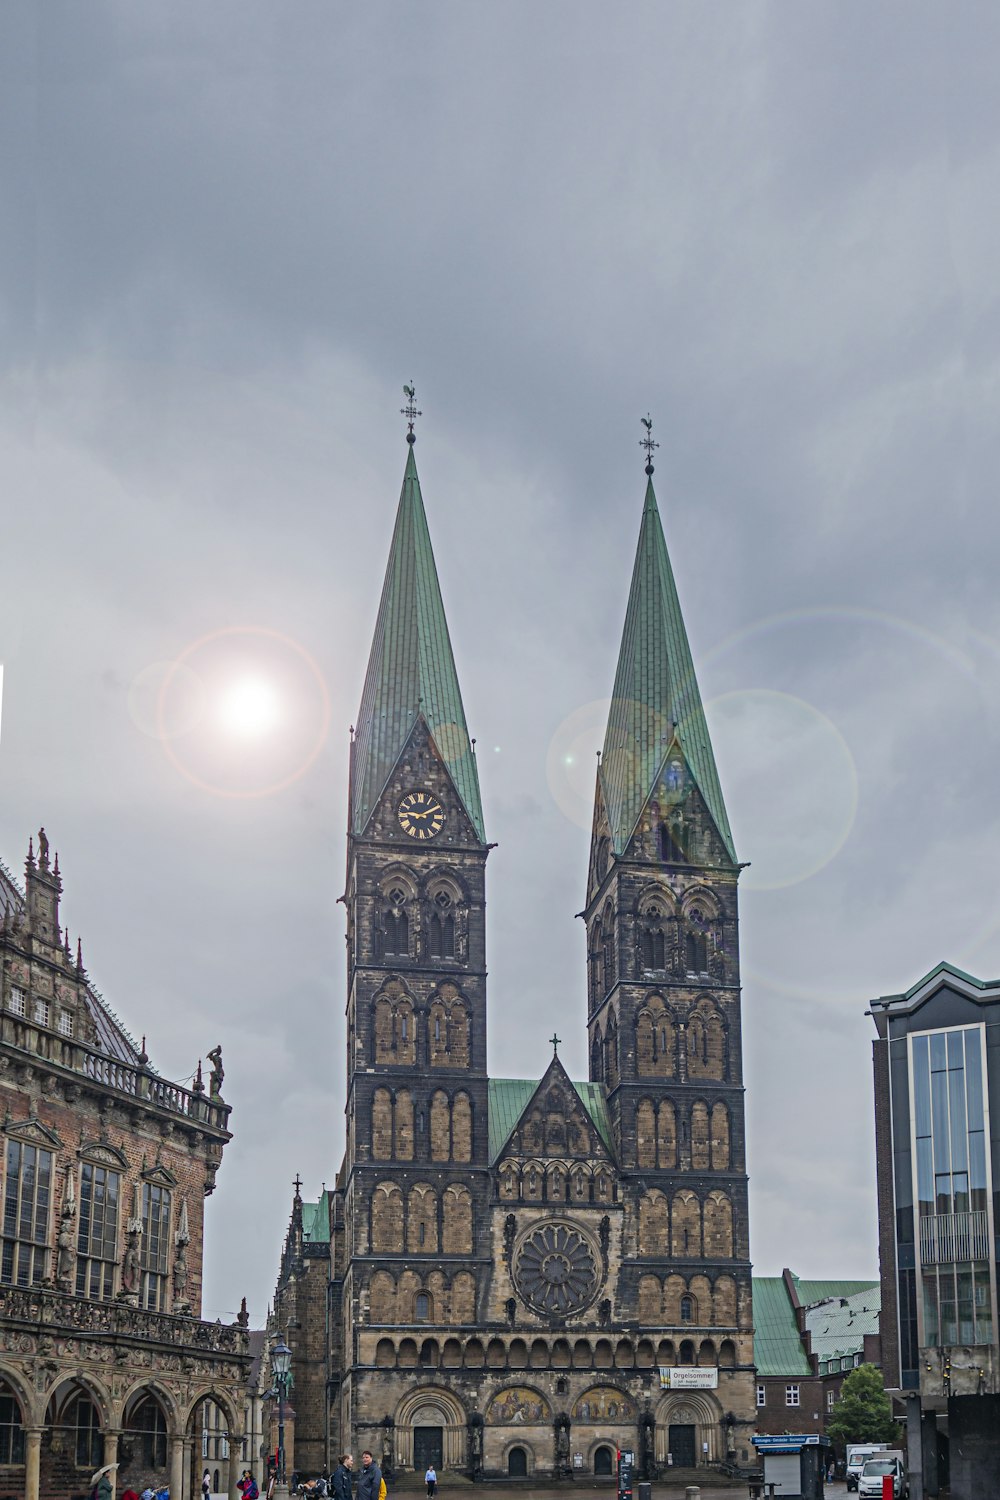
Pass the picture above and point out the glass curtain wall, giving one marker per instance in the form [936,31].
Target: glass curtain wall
[951,1185]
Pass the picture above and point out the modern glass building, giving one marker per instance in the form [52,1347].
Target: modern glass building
[937,1114]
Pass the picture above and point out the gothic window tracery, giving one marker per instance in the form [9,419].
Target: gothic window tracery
[696,942]
[441,928]
[396,924]
[653,939]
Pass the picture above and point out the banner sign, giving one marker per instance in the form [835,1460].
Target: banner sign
[688,1378]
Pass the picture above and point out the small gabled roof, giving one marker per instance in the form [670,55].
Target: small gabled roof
[510,1097]
[316,1220]
[411,671]
[655,689]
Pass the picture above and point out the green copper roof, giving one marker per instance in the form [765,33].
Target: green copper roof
[508,1098]
[777,1344]
[411,670]
[316,1221]
[655,688]
[838,1325]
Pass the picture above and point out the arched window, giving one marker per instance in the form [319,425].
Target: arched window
[653,939]
[596,1057]
[608,950]
[148,1427]
[696,942]
[672,842]
[422,1308]
[686,1356]
[11,1430]
[611,1054]
[396,924]
[441,937]
[687,1310]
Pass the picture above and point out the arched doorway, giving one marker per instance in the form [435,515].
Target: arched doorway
[430,1427]
[604,1460]
[689,1428]
[517,1464]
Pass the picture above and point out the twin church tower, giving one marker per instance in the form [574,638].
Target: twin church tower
[526,1273]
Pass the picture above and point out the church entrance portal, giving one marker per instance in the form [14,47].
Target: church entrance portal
[681,1443]
[604,1462]
[428,1448]
[517,1463]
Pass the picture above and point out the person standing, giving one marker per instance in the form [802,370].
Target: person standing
[343,1480]
[370,1478]
[431,1479]
[206,1484]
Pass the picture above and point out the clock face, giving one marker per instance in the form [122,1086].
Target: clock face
[421,815]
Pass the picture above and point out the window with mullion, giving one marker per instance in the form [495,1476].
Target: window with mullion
[155,1242]
[97,1240]
[27,1199]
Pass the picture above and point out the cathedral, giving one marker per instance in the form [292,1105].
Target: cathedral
[517,1276]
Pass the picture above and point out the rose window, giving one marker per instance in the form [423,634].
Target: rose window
[555,1269]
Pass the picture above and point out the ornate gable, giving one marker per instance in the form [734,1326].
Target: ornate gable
[32,1133]
[103,1153]
[555,1124]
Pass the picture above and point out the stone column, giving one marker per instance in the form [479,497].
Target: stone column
[236,1468]
[177,1468]
[111,1456]
[32,1457]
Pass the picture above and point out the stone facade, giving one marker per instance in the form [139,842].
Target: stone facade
[106,1167]
[526,1274]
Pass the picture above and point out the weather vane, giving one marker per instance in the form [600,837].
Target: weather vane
[409,411]
[648,442]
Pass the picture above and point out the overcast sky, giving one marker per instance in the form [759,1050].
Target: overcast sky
[230,233]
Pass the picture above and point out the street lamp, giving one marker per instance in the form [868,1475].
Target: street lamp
[281,1364]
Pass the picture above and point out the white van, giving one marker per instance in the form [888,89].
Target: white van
[858,1455]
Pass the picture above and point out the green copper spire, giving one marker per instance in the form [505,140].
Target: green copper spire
[411,670]
[655,690]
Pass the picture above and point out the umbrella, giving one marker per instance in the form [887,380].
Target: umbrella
[106,1470]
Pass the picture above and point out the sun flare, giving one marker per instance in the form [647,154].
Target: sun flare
[249,708]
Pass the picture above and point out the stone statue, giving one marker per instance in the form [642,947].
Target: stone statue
[218,1073]
[43,849]
[66,1257]
[180,1278]
[130,1260]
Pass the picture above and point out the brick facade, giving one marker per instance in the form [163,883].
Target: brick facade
[106,1167]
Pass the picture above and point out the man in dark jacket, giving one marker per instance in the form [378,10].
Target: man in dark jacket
[370,1478]
[342,1481]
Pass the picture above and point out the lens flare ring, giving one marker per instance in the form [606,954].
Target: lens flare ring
[183,661]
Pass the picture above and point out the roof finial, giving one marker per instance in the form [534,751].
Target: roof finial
[555,1040]
[648,442]
[409,411]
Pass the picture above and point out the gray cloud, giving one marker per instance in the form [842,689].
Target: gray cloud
[232,232]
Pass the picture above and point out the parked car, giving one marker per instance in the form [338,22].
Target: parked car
[858,1455]
[870,1483]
